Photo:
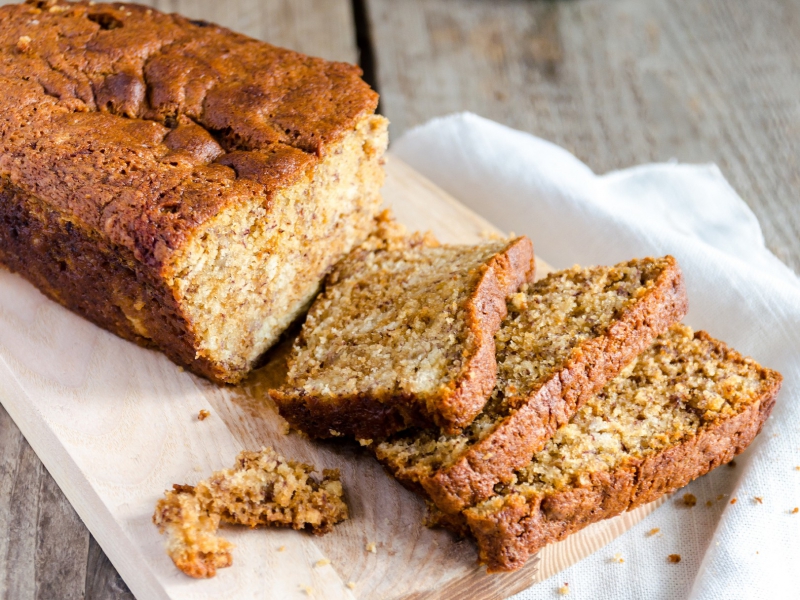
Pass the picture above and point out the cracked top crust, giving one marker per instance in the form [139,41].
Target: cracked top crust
[139,125]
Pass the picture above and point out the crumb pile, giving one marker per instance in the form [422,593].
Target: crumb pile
[262,489]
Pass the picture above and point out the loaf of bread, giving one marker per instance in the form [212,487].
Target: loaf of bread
[564,338]
[403,337]
[181,185]
[263,489]
[685,406]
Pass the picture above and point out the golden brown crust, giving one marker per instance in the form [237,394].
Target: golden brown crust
[486,309]
[508,536]
[368,415]
[511,445]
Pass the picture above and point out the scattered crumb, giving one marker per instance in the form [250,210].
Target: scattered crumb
[285,428]
[795,510]
[732,463]
[323,562]
[282,549]
[617,558]
[371,547]
[351,585]
[709,503]
[674,558]
[365,442]
[653,531]
[203,415]
[720,497]
[307,589]
[24,43]
[180,369]
[758,500]
[564,589]
[487,234]
[797,468]
[689,499]
[733,500]
[335,433]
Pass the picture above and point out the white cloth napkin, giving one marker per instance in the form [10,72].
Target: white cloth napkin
[738,291]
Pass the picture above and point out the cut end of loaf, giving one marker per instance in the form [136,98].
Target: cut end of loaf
[255,268]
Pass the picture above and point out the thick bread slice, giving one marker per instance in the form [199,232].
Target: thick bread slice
[687,405]
[403,336]
[565,337]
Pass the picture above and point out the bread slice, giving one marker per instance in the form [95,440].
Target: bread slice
[403,336]
[181,185]
[262,489]
[564,338]
[685,406]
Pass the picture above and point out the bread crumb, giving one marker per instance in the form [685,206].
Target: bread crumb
[758,500]
[617,558]
[285,428]
[689,499]
[366,442]
[371,547]
[335,433]
[797,468]
[653,531]
[720,497]
[323,562]
[709,503]
[795,510]
[203,415]
[282,549]
[351,585]
[180,369]
[674,558]
[24,43]
[307,589]
[733,500]
[563,590]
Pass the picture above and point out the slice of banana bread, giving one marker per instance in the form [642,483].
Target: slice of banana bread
[564,338]
[685,406]
[184,186]
[403,336]
[263,489]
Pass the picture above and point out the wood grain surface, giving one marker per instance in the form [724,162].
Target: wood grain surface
[617,83]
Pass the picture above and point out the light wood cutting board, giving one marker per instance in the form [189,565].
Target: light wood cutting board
[116,425]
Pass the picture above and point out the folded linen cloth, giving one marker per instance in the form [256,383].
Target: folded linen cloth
[738,291]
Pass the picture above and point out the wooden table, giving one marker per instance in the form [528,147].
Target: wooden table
[617,83]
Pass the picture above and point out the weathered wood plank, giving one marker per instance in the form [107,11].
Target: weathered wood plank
[617,83]
[43,544]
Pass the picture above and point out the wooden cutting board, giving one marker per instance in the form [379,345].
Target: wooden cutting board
[116,425]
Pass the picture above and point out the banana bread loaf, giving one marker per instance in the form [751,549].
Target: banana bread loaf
[564,338]
[685,406]
[403,336]
[181,185]
[262,489]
